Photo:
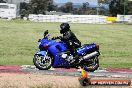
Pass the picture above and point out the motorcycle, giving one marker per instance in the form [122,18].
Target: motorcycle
[53,53]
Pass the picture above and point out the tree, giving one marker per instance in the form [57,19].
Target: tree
[2,1]
[129,8]
[51,6]
[24,9]
[40,6]
[85,7]
[67,8]
[118,7]
[102,10]
[77,11]
[62,9]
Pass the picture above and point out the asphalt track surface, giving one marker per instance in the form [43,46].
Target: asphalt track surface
[27,69]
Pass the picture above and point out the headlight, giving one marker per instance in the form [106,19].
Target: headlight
[46,46]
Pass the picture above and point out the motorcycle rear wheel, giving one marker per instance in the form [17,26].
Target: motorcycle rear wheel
[42,62]
[93,66]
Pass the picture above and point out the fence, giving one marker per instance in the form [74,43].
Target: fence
[126,18]
[68,18]
[78,18]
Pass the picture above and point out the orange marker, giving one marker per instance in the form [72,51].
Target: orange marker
[84,73]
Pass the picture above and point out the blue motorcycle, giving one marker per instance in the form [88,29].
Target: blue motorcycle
[55,54]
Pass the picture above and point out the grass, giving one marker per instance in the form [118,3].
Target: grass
[18,41]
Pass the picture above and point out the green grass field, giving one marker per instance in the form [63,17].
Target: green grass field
[18,41]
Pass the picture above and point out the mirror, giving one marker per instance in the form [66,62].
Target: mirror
[46,34]
[39,40]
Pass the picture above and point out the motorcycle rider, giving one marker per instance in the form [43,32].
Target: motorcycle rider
[69,37]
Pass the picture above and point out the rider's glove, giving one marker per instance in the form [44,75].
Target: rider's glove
[53,38]
[57,37]
[39,40]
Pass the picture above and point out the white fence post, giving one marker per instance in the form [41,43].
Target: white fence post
[77,18]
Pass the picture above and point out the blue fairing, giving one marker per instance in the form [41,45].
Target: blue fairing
[85,48]
[55,49]
[46,41]
[41,53]
[58,47]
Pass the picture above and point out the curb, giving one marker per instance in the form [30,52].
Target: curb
[23,68]
[11,69]
[112,70]
[120,70]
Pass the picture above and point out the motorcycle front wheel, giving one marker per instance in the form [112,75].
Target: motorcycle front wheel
[42,62]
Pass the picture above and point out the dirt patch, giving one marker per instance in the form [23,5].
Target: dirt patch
[12,80]
[30,80]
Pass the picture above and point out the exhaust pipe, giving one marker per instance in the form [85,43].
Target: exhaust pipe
[95,67]
[90,55]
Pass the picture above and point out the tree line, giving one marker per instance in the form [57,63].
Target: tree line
[40,6]
[123,7]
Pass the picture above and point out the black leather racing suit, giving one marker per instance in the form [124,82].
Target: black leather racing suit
[72,41]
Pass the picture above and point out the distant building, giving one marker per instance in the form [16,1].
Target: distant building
[17,2]
[8,10]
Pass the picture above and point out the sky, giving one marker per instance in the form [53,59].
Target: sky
[92,2]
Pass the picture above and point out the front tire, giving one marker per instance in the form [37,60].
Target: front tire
[42,62]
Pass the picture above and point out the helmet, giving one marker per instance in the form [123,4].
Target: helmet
[64,27]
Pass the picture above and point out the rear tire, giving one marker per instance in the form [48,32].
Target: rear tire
[93,66]
[42,62]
